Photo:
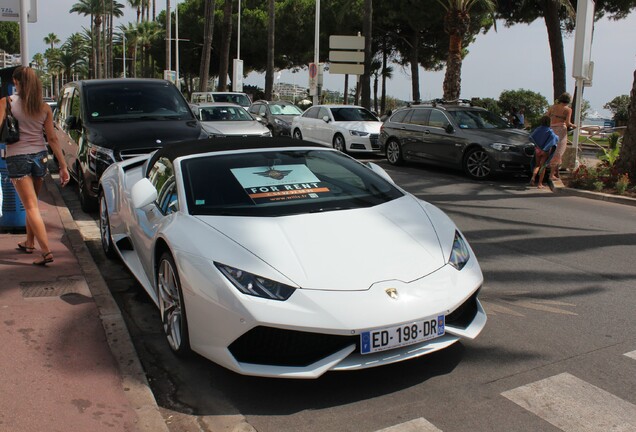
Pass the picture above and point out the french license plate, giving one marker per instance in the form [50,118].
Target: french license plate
[406,334]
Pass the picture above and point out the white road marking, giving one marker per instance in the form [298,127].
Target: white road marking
[631,354]
[417,425]
[574,405]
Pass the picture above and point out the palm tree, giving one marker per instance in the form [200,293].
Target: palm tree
[627,160]
[147,33]
[94,8]
[51,39]
[269,71]
[130,33]
[457,25]
[226,39]
[206,50]
[136,4]
[115,10]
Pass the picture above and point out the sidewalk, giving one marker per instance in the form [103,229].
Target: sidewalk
[67,360]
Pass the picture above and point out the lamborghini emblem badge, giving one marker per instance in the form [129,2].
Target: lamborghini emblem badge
[392,292]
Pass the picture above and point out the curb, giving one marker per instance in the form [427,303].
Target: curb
[559,188]
[134,382]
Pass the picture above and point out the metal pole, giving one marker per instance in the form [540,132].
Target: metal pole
[238,32]
[24,39]
[176,30]
[123,35]
[168,36]
[317,49]
[577,120]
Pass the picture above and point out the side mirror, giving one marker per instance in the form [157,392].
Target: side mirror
[325,119]
[380,171]
[143,193]
[72,122]
[449,128]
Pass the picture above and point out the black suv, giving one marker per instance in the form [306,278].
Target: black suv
[99,122]
[458,136]
[276,115]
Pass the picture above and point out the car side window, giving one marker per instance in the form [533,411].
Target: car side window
[163,179]
[438,119]
[312,112]
[399,116]
[419,117]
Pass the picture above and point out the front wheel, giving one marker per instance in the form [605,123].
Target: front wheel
[104,228]
[477,164]
[297,134]
[171,305]
[339,143]
[87,203]
[394,153]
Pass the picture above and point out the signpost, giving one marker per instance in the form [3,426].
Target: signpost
[10,10]
[582,67]
[315,78]
[346,55]
[237,75]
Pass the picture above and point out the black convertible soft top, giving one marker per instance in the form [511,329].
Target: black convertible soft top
[174,150]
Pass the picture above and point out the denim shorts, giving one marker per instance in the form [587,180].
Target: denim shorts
[33,165]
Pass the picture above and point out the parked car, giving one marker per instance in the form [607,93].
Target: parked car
[238,98]
[347,128]
[458,136]
[276,115]
[227,119]
[99,122]
[258,254]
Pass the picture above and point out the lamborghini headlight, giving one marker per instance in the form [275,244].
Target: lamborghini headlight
[254,285]
[459,254]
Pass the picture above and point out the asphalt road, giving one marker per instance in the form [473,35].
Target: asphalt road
[558,352]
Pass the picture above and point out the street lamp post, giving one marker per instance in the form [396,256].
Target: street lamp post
[317,48]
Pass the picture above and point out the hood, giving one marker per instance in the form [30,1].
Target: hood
[142,134]
[366,126]
[235,128]
[504,136]
[342,250]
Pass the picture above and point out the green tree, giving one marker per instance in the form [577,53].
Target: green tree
[619,107]
[490,104]
[457,25]
[51,39]
[226,42]
[94,9]
[559,17]
[271,51]
[206,49]
[534,103]
[10,36]
[627,158]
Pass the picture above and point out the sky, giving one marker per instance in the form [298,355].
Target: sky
[508,59]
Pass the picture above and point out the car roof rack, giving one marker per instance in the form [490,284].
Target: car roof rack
[439,101]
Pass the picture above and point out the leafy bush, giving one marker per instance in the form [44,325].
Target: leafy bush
[622,183]
[534,103]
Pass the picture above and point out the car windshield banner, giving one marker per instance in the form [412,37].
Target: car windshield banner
[282,183]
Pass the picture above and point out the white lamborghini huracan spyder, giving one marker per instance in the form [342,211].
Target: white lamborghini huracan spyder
[282,258]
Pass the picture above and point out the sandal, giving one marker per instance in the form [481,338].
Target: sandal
[46,258]
[26,249]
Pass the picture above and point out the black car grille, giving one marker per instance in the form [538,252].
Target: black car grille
[279,347]
[131,153]
[464,314]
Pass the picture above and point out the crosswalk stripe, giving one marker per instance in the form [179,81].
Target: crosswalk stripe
[631,354]
[417,425]
[574,405]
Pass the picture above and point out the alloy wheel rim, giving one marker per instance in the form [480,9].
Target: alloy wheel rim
[392,152]
[170,304]
[478,165]
[339,144]
[103,224]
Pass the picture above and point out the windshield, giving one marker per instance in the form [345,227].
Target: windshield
[239,99]
[477,119]
[135,101]
[285,109]
[352,114]
[224,113]
[281,183]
